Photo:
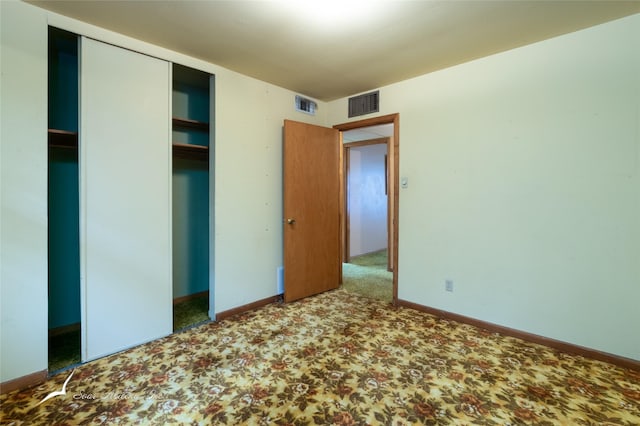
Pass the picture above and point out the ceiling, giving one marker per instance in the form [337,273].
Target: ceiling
[328,49]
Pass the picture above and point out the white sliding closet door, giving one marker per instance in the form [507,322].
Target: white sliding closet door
[125,198]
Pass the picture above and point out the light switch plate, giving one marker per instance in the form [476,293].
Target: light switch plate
[404,182]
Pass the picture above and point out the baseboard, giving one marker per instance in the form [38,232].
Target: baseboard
[23,382]
[529,337]
[191,297]
[248,307]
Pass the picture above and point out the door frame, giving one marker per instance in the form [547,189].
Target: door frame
[393,152]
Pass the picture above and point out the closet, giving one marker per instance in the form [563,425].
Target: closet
[63,201]
[130,215]
[110,236]
[192,110]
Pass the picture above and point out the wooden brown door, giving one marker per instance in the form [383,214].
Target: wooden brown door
[311,210]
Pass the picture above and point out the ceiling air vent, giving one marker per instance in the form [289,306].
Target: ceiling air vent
[306,105]
[364,104]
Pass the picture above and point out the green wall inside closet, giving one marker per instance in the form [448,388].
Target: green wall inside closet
[63,198]
[190,100]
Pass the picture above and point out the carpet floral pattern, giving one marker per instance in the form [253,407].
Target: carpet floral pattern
[334,359]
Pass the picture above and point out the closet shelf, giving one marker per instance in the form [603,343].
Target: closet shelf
[62,139]
[191,152]
[185,123]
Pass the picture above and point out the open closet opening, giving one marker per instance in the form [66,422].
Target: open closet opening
[63,202]
[191,111]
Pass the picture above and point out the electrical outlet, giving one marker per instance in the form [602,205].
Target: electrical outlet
[448,285]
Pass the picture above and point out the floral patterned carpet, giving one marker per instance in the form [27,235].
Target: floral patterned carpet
[334,359]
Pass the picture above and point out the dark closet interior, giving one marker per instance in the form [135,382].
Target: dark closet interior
[191,111]
[63,201]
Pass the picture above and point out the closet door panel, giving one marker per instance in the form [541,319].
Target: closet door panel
[125,198]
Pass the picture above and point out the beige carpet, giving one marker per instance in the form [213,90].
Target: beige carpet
[337,358]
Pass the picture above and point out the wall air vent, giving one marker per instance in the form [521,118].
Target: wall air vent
[364,104]
[306,105]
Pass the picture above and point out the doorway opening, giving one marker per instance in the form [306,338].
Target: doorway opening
[366,268]
[369,206]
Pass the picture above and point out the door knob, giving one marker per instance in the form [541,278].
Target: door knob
[291,221]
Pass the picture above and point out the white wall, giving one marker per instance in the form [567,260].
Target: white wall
[249,218]
[23,191]
[367,203]
[524,187]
